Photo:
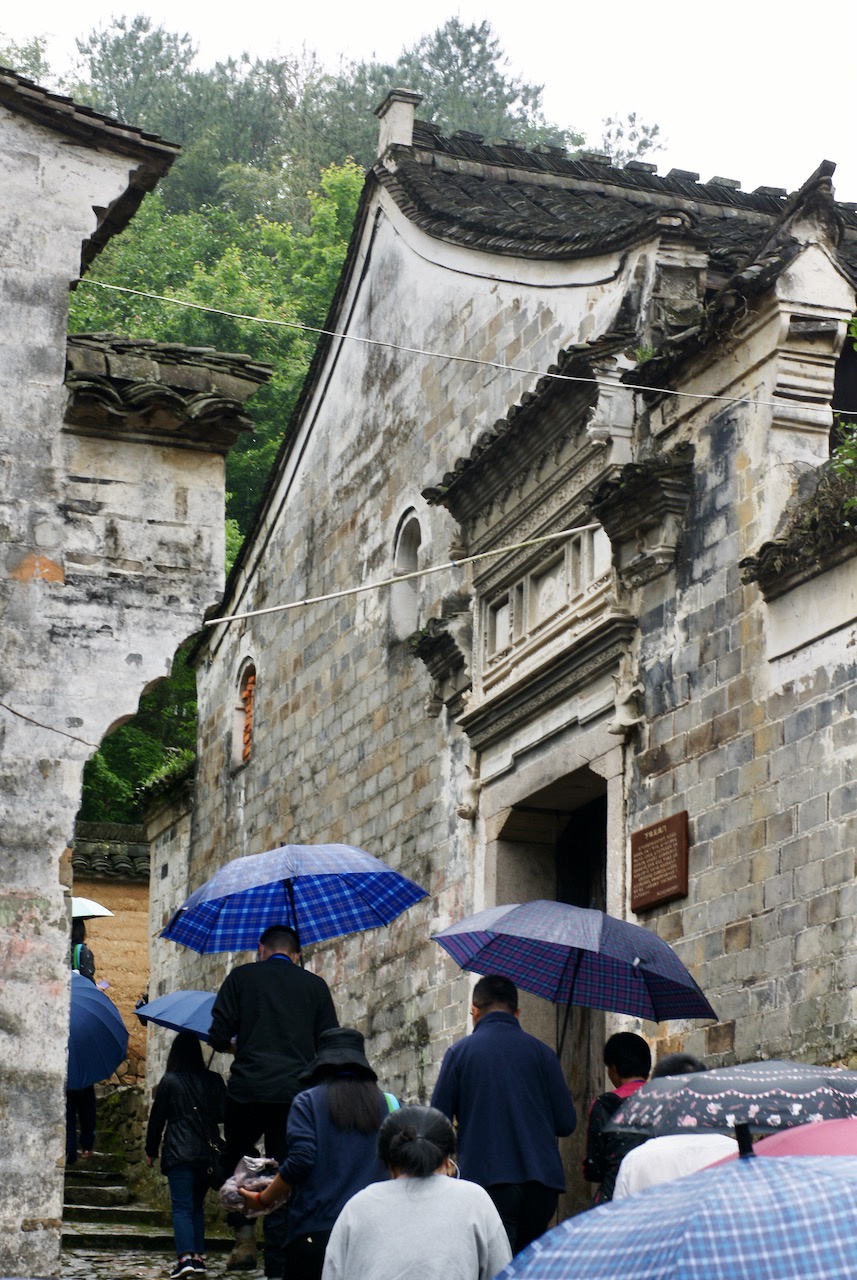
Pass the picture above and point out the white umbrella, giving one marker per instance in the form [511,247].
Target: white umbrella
[87,909]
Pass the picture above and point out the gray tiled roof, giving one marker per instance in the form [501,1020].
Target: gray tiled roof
[110,851]
[546,204]
[151,156]
[137,385]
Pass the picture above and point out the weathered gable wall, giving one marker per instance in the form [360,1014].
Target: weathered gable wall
[343,747]
[110,550]
[750,721]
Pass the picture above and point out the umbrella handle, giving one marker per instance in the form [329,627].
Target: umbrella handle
[289,886]
[577,959]
[745,1140]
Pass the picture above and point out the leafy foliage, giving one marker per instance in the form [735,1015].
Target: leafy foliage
[628,138]
[28,59]
[843,464]
[259,268]
[165,725]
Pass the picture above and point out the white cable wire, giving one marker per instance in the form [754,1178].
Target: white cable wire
[441,355]
[400,577]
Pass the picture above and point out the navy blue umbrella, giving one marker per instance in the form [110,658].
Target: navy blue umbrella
[789,1219]
[321,890]
[180,1011]
[97,1039]
[574,955]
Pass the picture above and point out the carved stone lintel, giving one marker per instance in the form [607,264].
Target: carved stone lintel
[643,512]
[488,720]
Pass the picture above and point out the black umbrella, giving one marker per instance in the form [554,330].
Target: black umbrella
[767,1096]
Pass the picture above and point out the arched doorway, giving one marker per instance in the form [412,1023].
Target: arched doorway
[553,844]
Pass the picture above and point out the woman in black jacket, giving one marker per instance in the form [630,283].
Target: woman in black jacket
[189,1102]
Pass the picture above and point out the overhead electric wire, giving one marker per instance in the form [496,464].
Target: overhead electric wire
[401,577]
[448,355]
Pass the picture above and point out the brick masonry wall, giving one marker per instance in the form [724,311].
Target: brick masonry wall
[765,768]
[343,748]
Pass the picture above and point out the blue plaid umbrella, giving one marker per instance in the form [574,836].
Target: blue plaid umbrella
[180,1011]
[321,890]
[789,1219]
[574,955]
[97,1039]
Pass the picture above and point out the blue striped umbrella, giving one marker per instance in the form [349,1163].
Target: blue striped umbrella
[789,1219]
[575,955]
[180,1011]
[321,890]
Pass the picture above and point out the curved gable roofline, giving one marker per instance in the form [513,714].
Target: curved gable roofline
[88,128]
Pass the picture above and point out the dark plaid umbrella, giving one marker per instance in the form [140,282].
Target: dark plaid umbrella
[574,955]
[97,1039]
[180,1011]
[788,1219]
[321,890]
[767,1096]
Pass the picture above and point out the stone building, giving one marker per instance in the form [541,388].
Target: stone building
[523,345]
[111,528]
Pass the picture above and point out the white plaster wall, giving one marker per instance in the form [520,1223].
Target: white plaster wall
[91,608]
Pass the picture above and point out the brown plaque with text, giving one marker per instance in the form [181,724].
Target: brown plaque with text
[659,862]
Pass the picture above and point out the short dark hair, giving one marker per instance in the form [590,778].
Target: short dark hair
[78,932]
[416,1140]
[677,1064]
[495,989]
[629,1054]
[185,1053]
[280,937]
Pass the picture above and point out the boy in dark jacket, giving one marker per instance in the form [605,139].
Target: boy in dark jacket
[628,1060]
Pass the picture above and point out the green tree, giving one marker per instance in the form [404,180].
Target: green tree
[138,72]
[628,138]
[463,75]
[28,59]
[261,269]
[163,729]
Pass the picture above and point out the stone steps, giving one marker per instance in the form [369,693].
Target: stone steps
[98,1214]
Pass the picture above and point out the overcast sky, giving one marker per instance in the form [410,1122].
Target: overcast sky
[748,90]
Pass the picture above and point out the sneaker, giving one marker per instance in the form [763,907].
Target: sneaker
[198,1264]
[184,1267]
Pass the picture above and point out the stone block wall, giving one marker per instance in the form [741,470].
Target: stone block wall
[762,754]
[343,747]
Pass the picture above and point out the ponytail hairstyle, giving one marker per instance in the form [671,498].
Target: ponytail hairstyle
[415,1141]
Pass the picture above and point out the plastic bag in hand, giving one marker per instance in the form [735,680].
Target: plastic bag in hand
[252,1173]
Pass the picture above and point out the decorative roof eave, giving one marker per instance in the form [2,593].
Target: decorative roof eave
[817,536]
[492,445]
[110,851]
[643,511]
[89,128]
[193,397]
[810,215]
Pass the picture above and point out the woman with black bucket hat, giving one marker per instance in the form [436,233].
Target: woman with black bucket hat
[332,1138]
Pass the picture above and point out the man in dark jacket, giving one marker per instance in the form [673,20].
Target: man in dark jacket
[270,1015]
[507,1092]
